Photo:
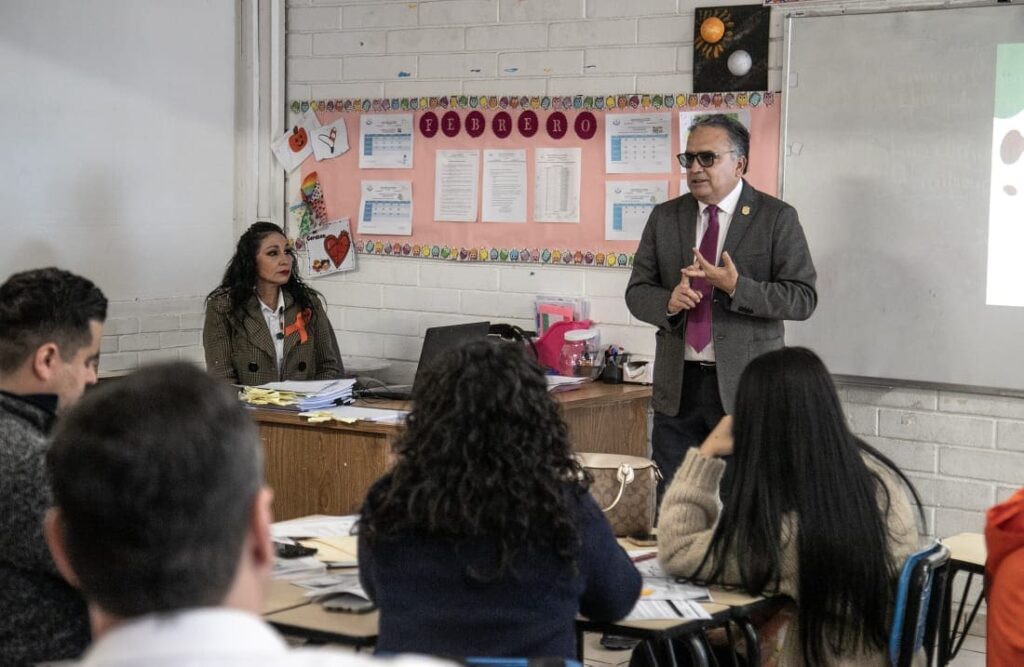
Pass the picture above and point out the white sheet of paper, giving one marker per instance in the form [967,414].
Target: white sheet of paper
[455,185]
[504,186]
[662,609]
[330,141]
[353,413]
[386,208]
[638,143]
[686,119]
[385,141]
[556,196]
[297,568]
[306,386]
[628,205]
[667,588]
[317,525]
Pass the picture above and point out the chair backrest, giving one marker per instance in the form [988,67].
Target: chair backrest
[521,662]
[919,594]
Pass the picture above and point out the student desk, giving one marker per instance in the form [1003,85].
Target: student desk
[288,609]
[967,554]
[327,468]
[311,621]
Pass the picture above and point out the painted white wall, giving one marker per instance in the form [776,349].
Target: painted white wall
[964,451]
[117,121]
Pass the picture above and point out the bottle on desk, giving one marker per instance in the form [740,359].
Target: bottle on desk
[580,355]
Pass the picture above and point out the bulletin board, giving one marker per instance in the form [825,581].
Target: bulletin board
[530,242]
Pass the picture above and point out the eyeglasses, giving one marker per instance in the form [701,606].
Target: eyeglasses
[703,158]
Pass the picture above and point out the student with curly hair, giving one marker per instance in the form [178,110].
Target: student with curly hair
[814,513]
[263,323]
[482,540]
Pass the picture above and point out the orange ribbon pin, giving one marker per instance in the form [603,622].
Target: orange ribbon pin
[301,320]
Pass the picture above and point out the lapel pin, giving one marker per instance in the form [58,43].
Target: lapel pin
[745,210]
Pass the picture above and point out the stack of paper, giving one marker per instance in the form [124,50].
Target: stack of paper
[302,395]
[565,382]
[350,414]
[664,596]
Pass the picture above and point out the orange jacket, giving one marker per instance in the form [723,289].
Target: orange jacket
[1004,537]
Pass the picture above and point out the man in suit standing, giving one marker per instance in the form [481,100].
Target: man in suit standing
[717,270]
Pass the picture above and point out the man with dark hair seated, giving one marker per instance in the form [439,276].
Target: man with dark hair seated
[162,520]
[51,322]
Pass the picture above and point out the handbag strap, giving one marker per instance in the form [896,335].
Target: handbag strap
[625,476]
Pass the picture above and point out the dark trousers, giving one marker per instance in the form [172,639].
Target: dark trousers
[700,409]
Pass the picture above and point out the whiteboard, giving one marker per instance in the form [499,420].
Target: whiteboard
[117,127]
[888,136]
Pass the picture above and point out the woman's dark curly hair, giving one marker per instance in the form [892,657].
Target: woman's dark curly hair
[239,279]
[485,453]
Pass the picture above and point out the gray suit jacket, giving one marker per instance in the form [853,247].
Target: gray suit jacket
[776,282]
[243,352]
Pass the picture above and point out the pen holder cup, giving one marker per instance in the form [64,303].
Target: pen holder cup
[612,373]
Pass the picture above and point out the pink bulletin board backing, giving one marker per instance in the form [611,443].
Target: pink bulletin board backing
[555,243]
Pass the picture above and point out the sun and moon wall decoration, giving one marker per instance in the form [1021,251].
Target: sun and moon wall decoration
[730,48]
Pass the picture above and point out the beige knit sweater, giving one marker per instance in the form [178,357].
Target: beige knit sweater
[690,510]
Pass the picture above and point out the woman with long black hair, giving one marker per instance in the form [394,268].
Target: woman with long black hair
[814,513]
[482,539]
[263,324]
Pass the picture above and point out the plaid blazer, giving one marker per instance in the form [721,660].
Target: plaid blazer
[243,352]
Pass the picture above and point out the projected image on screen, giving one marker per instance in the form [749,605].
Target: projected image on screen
[1005,286]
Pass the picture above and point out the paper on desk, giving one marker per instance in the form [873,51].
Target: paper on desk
[325,581]
[320,588]
[297,568]
[302,386]
[338,551]
[317,525]
[647,610]
[350,414]
[563,382]
[668,588]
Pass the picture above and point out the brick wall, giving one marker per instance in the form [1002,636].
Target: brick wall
[964,451]
[142,332]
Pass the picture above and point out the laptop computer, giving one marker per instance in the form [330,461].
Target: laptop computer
[436,341]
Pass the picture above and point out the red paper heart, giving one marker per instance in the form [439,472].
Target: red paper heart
[337,247]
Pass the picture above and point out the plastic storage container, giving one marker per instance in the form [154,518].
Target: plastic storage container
[580,355]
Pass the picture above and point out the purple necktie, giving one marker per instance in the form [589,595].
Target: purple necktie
[698,322]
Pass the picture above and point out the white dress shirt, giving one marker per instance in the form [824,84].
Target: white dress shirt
[726,208]
[217,636]
[275,323]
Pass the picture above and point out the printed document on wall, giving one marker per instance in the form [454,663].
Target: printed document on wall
[638,143]
[556,196]
[386,208]
[687,118]
[455,185]
[504,186]
[385,141]
[628,205]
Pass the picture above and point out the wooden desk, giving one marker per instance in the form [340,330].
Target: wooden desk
[327,468]
[967,554]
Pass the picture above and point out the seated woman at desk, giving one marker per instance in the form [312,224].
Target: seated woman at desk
[814,513]
[263,324]
[482,540]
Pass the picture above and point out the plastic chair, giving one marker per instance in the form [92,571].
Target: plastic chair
[521,662]
[919,594]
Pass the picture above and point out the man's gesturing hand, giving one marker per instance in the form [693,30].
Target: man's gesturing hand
[683,297]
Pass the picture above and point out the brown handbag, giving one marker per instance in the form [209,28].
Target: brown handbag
[625,488]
